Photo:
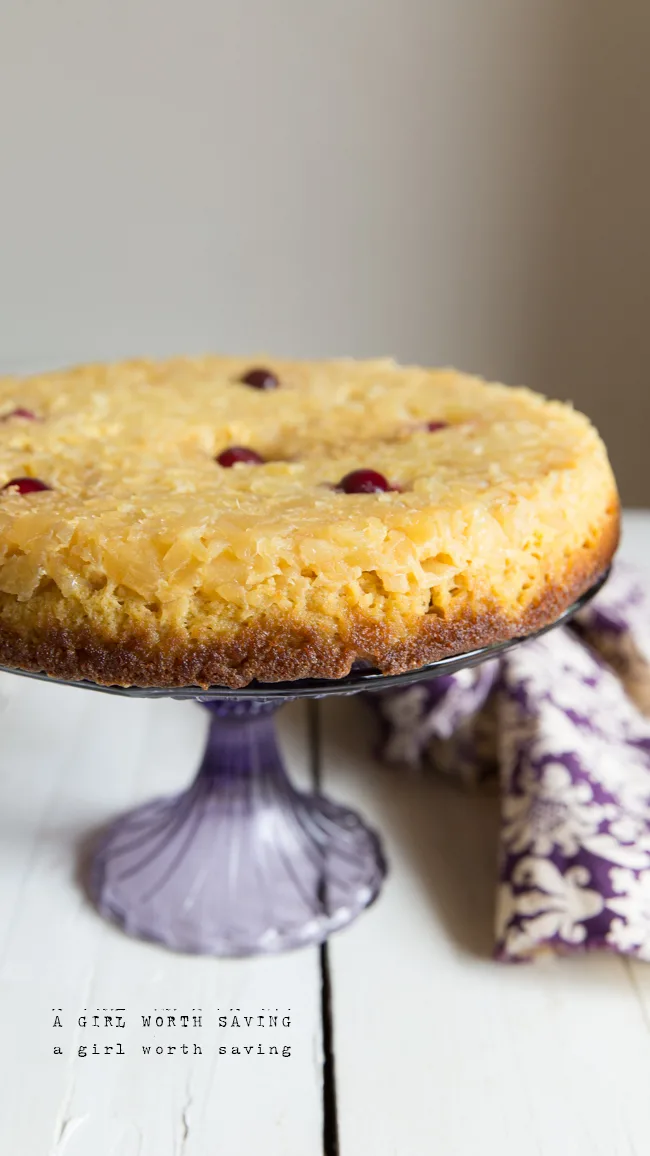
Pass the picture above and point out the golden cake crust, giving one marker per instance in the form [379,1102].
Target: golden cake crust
[149,565]
[260,651]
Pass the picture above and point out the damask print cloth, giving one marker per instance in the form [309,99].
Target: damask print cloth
[562,723]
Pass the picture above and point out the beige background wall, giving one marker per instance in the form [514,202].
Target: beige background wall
[453,181]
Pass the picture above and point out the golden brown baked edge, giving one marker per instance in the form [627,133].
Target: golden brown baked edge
[284,649]
[277,649]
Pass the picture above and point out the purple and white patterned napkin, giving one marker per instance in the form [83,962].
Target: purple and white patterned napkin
[562,723]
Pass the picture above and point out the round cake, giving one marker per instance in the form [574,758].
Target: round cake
[217,520]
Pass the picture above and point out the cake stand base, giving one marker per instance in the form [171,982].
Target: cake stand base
[242,863]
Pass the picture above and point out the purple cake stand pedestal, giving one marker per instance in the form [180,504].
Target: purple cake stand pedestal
[243,863]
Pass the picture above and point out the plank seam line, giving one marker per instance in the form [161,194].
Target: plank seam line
[330,1108]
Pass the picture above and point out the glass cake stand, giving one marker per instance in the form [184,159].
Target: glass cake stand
[243,863]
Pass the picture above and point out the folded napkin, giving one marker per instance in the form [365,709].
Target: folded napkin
[562,723]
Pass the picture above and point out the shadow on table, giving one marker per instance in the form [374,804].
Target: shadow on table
[443,837]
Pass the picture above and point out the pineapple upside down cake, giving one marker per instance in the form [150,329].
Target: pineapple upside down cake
[218,520]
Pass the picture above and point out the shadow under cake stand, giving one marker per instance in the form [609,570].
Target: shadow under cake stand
[243,863]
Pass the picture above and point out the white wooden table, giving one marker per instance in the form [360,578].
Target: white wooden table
[426,1046]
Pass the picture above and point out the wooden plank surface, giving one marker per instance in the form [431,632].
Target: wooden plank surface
[438,1049]
[69,760]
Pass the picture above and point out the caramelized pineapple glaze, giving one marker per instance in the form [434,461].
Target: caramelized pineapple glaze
[380,513]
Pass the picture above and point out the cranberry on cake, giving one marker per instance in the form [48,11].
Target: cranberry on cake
[215,520]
